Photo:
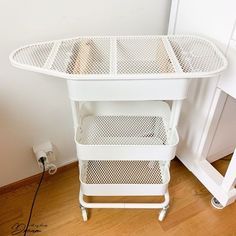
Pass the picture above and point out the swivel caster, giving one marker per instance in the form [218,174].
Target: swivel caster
[84,213]
[163,213]
[216,204]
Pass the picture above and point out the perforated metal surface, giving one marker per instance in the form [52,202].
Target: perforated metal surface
[142,56]
[122,172]
[123,57]
[83,56]
[195,55]
[123,130]
[35,55]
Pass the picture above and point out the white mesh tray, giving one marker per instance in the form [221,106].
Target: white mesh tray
[130,57]
[122,178]
[131,131]
[124,68]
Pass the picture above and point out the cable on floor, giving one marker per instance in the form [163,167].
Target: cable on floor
[35,195]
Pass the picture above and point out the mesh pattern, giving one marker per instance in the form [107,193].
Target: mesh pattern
[35,55]
[123,130]
[121,172]
[195,55]
[130,55]
[142,56]
[83,56]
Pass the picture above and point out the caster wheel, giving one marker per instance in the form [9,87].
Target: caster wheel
[216,204]
[84,214]
[163,213]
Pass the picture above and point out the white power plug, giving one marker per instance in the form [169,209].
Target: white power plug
[45,150]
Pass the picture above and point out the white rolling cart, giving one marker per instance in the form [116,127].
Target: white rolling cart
[125,132]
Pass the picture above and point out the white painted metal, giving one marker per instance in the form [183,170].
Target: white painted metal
[175,113]
[174,119]
[126,205]
[126,131]
[84,213]
[113,56]
[124,148]
[141,189]
[163,213]
[172,56]
[124,178]
[112,63]
[91,177]
[128,90]
[51,57]
[197,56]
[74,109]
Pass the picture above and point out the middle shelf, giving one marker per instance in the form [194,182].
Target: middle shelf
[125,131]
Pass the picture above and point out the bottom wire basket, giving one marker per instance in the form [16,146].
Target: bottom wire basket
[122,178]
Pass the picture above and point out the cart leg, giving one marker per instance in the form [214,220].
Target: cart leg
[164,206]
[84,212]
[163,213]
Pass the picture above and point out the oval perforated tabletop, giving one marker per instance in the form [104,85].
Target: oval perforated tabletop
[122,57]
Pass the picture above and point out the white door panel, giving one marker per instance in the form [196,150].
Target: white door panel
[224,141]
[227,81]
[234,33]
[212,19]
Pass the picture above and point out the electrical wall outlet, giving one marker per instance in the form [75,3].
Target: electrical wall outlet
[46,147]
[44,150]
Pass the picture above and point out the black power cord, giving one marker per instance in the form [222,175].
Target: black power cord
[42,160]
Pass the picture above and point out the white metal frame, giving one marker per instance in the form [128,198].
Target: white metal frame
[114,76]
[175,113]
[163,204]
[131,87]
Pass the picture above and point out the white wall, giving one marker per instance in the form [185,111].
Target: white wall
[34,108]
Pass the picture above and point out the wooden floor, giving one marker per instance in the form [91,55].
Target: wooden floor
[57,213]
